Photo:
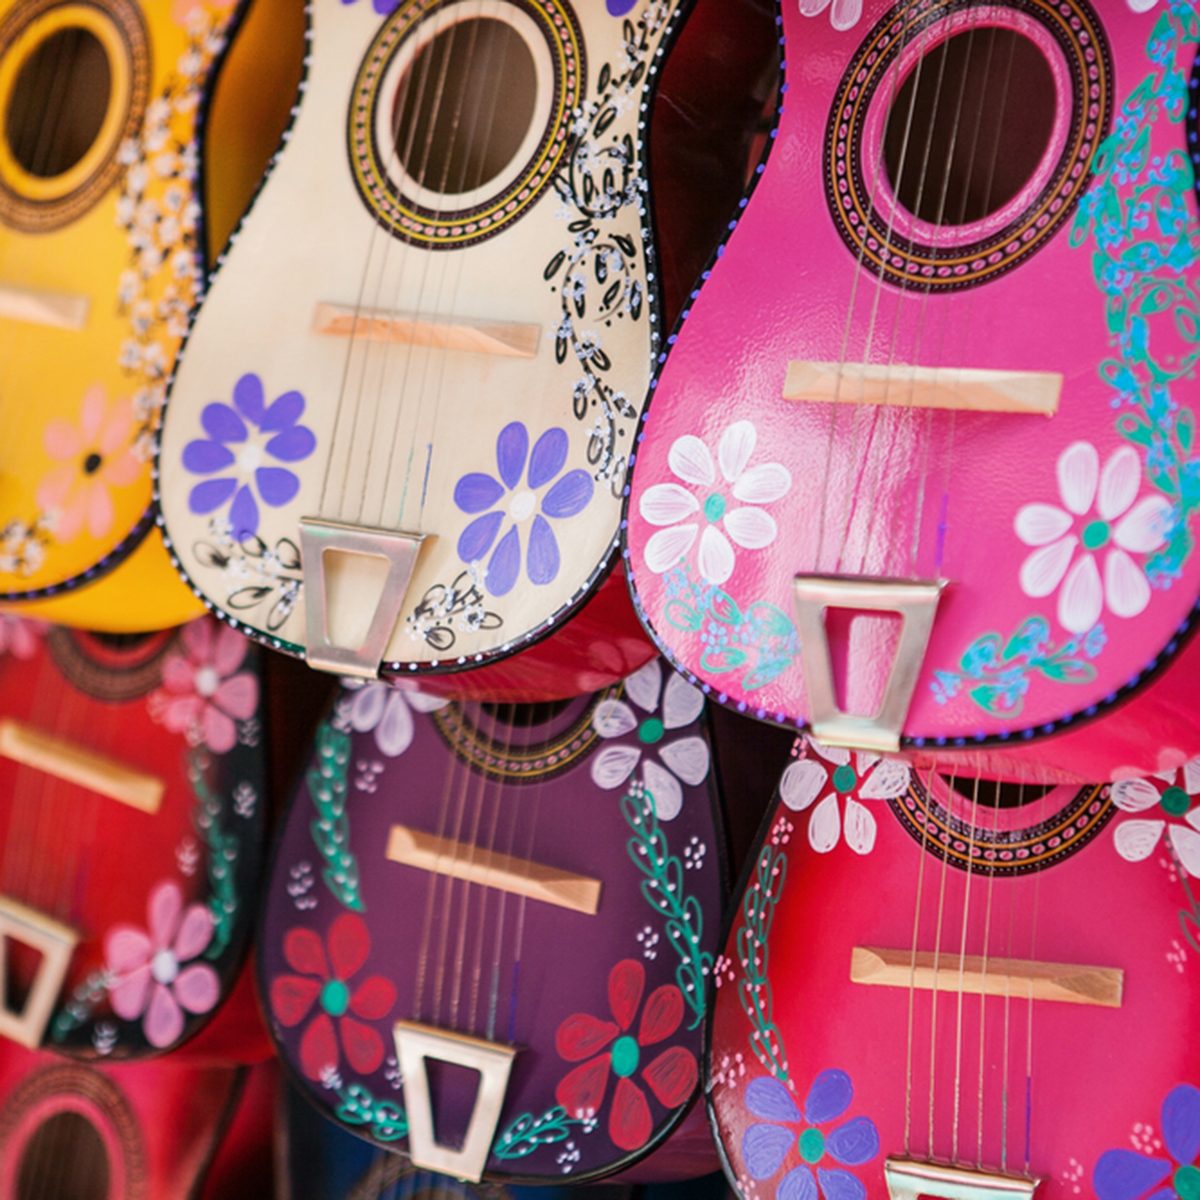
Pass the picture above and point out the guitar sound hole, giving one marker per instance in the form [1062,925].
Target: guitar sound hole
[996,793]
[525,716]
[464,106]
[58,103]
[969,126]
[64,1158]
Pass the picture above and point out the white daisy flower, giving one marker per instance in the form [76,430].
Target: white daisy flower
[388,711]
[663,762]
[1121,525]
[1174,793]
[682,516]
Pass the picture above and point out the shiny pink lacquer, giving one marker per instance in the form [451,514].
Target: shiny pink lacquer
[955,193]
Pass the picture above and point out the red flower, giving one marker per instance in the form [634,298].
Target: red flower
[671,1076]
[325,980]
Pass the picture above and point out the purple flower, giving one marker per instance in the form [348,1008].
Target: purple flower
[242,438]
[383,7]
[514,497]
[850,1143]
[1127,1175]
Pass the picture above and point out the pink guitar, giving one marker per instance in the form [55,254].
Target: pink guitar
[1008,1005]
[944,370]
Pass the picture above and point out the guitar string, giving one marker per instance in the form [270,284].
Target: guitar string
[937,958]
[962,966]
[1028,1096]
[912,973]
[983,995]
[1004,1074]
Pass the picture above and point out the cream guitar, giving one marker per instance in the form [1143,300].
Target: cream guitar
[398,436]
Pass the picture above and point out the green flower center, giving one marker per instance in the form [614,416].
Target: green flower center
[1187,1183]
[812,1145]
[714,507]
[651,731]
[1175,801]
[91,464]
[625,1056]
[335,997]
[1096,534]
[844,778]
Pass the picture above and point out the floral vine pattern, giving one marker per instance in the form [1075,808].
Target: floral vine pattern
[521,1137]
[259,570]
[597,278]
[448,609]
[327,785]
[385,1118]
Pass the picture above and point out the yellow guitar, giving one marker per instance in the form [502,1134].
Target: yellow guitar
[101,260]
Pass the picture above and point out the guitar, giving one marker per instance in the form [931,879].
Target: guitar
[529,893]
[918,473]
[988,1017]
[331,480]
[102,223]
[131,804]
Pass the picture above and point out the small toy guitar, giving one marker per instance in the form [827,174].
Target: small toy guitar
[919,471]
[529,893]
[131,829]
[989,1016]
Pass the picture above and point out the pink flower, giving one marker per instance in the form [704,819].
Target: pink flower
[148,972]
[203,692]
[93,456]
[19,636]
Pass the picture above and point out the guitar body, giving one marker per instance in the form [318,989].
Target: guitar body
[814,1079]
[1059,245]
[131,796]
[412,303]
[603,999]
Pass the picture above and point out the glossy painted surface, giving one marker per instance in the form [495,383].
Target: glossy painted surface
[814,1080]
[1067,543]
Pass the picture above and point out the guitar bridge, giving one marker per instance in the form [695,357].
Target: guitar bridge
[55,943]
[909,1178]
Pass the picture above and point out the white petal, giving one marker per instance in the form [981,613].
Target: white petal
[1119,483]
[1043,570]
[863,762]
[860,827]
[688,758]
[801,783]
[643,686]
[751,528]
[366,709]
[888,780]
[1134,795]
[824,825]
[1140,6]
[1186,844]
[667,504]
[811,8]
[1081,599]
[1191,776]
[735,447]
[1039,524]
[665,548]
[762,484]
[837,755]
[1078,471]
[1193,819]
[613,765]
[423,702]
[716,556]
[690,460]
[614,718]
[1145,527]
[1125,587]
[1135,840]
[664,787]
[394,734]
[682,704]
[845,14]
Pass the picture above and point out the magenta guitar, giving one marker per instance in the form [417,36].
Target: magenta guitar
[943,370]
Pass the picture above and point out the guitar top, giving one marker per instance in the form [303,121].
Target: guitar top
[132,810]
[405,447]
[995,995]
[490,879]
[952,339]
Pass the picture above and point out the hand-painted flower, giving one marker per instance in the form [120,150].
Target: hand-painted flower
[610,1049]
[382,7]
[1126,1175]
[203,693]
[1120,527]
[1174,793]
[686,758]
[843,14]
[766,1147]
[242,439]
[94,456]
[148,972]
[20,636]
[678,512]
[324,981]
[514,497]
[387,708]
[835,772]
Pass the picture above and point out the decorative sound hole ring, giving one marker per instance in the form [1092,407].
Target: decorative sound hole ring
[913,253]
[111,670]
[1000,841]
[37,202]
[549,32]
